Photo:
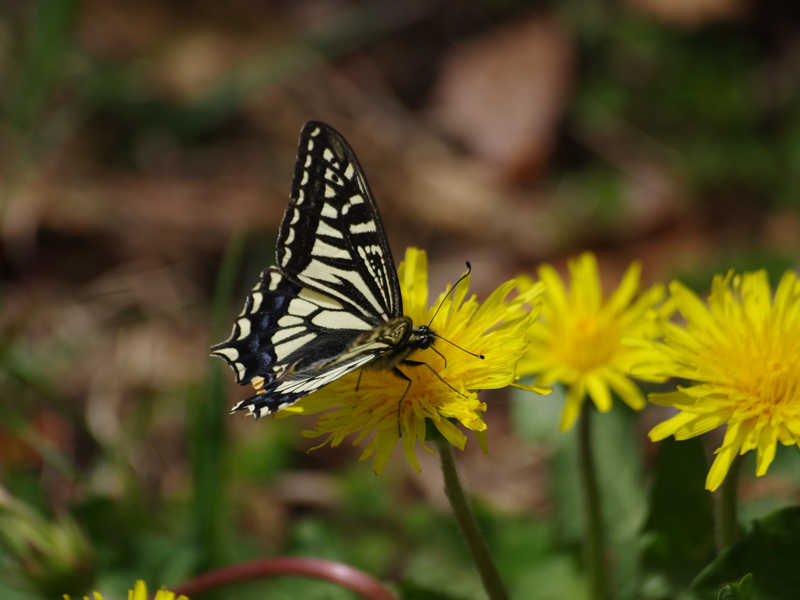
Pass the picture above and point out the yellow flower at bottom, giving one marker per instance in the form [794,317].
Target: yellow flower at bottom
[588,344]
[495,329]
[743,350]
[139,592]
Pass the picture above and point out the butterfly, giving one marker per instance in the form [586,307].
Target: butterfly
[332,304]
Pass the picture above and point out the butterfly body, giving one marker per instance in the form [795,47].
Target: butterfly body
[401,336]
[332,304]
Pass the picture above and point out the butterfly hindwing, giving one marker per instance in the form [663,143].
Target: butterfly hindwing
[333,302]
[287,392]
[285,337]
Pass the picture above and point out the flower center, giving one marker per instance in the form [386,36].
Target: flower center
[766,371]
[588,342]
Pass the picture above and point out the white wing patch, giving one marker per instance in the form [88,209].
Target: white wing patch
[319,299]
[258,298]
[324,229]
[367,227]
[322,249]
[274,279]
[301,307]
[285,349]
[244,328]
[339,319]
[289,321]
[230,353]
[288,332]
[329,211]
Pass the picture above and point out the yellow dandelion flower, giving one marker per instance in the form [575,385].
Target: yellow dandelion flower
[743,350]
[495,329]
[139,592]
[588,344]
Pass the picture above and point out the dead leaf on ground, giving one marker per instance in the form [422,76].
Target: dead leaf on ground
[691,13]
[503,95]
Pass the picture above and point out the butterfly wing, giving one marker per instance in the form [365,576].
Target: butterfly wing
[335,281]
[332,238]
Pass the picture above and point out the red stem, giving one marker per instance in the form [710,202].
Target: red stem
[338,573]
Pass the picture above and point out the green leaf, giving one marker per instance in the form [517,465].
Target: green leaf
[619,472]
[681,521]
[770,551]
[411,591]
[737,591]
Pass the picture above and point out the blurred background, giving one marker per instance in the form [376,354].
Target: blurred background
[146,155]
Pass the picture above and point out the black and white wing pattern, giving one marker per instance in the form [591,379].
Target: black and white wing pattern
[332,304]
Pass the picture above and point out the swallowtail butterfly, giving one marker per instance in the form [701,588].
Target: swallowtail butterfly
[332,304]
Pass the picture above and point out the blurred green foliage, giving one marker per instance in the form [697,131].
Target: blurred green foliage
[770,551]
[701,101]
[736,591]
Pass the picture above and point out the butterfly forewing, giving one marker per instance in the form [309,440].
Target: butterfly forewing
[331,237]
[320,313]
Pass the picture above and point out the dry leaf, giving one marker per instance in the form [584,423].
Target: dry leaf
[503,95]
[691,13]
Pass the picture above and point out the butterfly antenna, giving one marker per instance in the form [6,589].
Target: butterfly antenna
[481,356]
[460,279]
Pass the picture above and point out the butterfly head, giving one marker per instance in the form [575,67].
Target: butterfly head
[422,337]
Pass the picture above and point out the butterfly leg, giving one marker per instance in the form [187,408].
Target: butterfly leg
[444,358]
[401,375]
[358,382]
[416,363]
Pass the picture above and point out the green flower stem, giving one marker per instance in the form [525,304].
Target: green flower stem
[467,524]
[594,551]
[726,523]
